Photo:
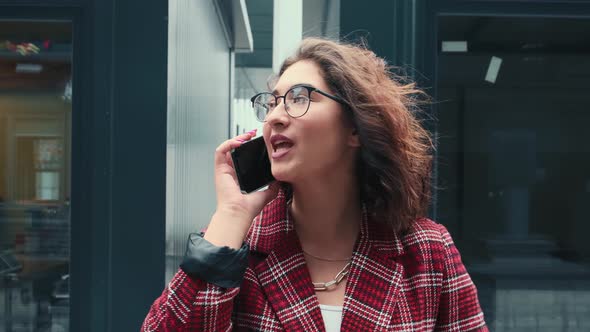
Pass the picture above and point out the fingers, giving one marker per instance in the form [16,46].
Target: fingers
[246,136]
[229,159]
[227,146]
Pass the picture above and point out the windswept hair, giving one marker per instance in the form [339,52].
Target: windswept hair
[394,166]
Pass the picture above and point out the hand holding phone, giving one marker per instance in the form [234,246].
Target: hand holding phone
[252,165]
[235,211]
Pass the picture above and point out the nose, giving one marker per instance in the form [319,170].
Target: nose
[278,117]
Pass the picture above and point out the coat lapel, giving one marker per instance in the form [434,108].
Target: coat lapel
[372,287]
[375,280]
[285,280]
[283,274]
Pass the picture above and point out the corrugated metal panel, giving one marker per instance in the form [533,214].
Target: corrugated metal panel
[198,116]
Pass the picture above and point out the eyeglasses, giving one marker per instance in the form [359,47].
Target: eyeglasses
[296,100]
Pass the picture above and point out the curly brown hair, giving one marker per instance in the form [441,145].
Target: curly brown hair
[394,166]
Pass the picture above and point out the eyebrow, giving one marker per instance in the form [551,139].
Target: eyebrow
[275,91]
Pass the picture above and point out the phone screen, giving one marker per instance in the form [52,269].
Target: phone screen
[252,165]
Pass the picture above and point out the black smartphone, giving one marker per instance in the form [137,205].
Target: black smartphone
[252,165]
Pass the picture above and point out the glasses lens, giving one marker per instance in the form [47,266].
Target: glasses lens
[297,101]
[263,104]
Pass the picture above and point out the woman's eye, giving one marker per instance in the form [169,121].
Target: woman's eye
[300,100]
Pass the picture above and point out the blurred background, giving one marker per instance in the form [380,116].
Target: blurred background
[110,112]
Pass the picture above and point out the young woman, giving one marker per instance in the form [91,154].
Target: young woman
[340,241]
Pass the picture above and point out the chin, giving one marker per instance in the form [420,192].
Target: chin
[281,174]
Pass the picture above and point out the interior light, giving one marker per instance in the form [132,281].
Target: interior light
[493,69]
[454,46]
[28,68]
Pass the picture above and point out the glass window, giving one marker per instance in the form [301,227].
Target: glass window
[254,71]
[514,161]
[35,140]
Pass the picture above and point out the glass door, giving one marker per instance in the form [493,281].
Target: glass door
[35,141]
[514,162]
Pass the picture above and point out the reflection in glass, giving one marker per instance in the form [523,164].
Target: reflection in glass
[514,163]
[35,140]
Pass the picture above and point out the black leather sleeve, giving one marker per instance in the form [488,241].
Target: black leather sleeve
[221,266]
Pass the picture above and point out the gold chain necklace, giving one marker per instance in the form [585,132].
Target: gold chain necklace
[327,259]
[330,285]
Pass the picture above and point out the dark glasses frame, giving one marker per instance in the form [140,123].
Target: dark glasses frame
[309,89]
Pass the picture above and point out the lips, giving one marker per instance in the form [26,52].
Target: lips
[280,145]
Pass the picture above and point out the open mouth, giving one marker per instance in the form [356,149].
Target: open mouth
[281,146]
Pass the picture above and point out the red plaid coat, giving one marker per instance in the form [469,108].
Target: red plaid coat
[413,283]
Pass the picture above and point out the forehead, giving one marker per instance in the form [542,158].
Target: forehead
[301,72]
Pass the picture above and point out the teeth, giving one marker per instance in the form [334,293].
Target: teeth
[278,144]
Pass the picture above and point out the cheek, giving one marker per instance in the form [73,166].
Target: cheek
[266,134]
[324,141]
[265,130]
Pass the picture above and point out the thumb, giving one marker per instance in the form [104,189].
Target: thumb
[262,198]
[272,191]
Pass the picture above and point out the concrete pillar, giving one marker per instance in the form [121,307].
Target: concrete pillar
[287,30]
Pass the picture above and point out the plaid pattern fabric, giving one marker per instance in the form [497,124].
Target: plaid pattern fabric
[413,283]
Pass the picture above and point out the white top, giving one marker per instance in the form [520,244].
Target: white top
[332,316]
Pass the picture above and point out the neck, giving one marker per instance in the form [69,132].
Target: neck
[327,214]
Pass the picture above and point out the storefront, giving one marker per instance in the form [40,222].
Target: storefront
[510,82]
[82,144]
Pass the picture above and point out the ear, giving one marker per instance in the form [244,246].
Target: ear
[353,138]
